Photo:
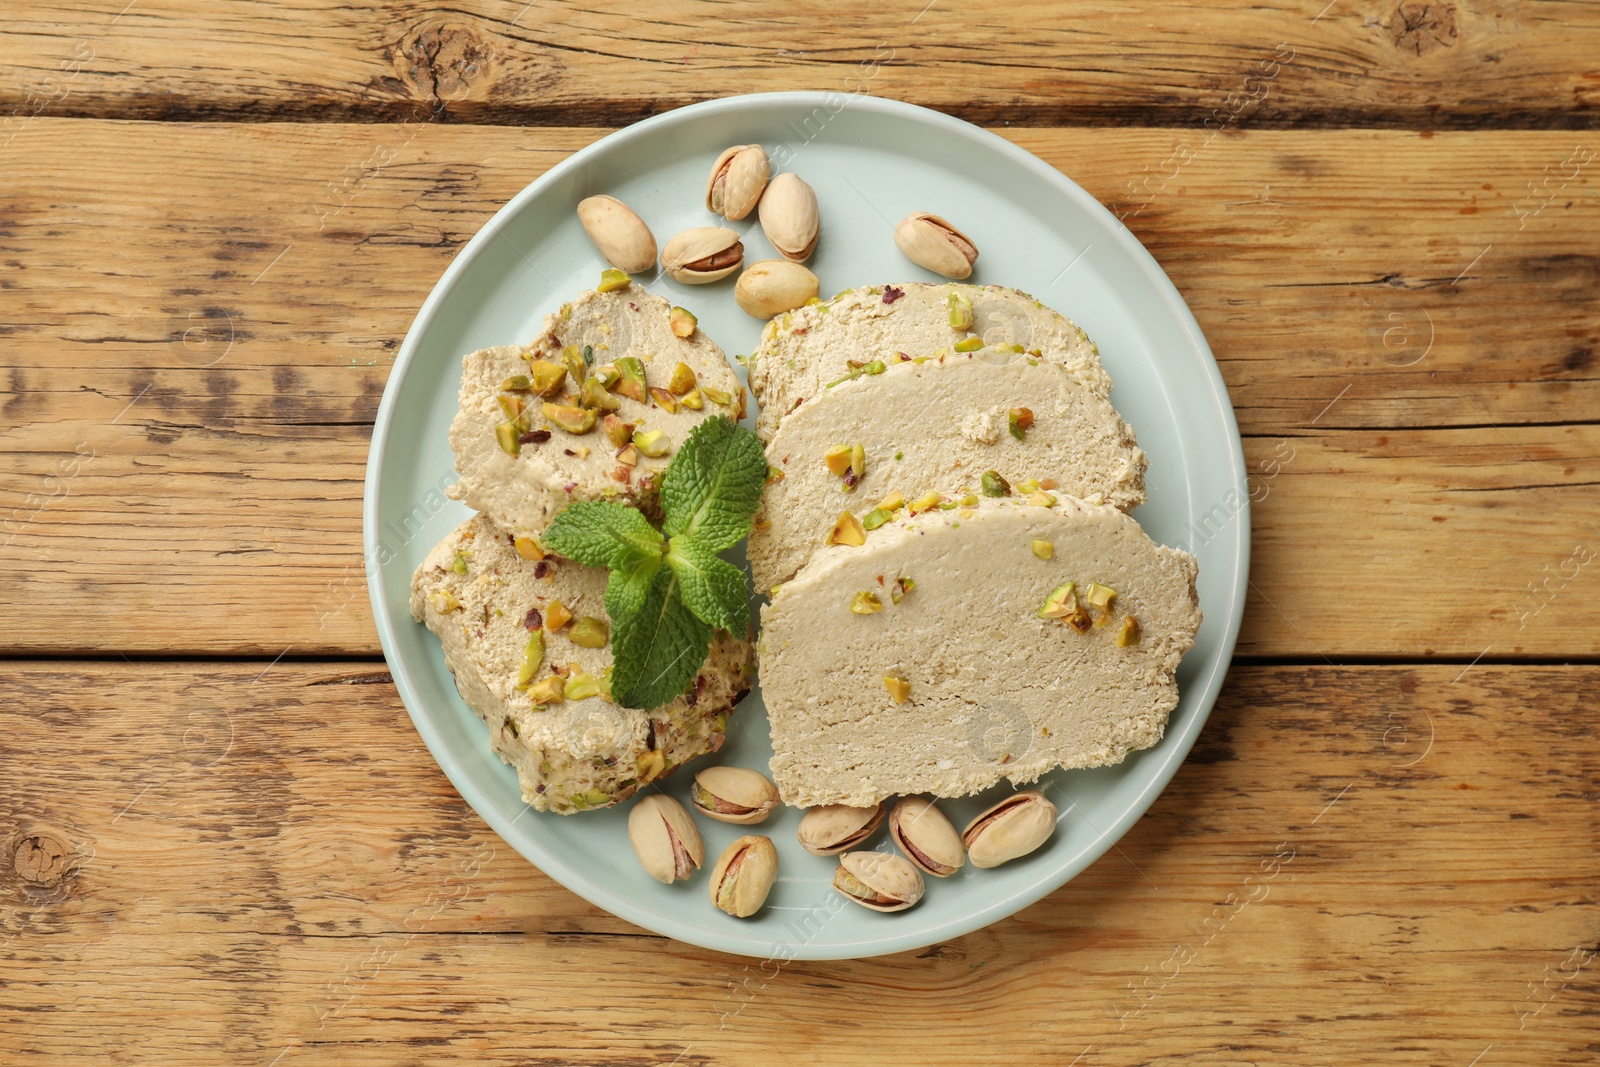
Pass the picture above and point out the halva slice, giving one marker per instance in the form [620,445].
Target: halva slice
[861,331]
[593,410]
[950,650]
[874,445]
[528,641]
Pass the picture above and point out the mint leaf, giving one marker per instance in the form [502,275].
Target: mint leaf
[626,590]
[713,485]
[658,649]
[598,534]
[710,586]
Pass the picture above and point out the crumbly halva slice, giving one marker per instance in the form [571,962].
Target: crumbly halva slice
[862,330]
[486,602]
[524,456]
[956,648]
[938,424]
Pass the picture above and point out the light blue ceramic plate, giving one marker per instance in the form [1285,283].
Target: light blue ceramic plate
[871,162]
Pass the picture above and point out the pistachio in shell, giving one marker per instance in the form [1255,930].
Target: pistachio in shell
[926,836]
[737,180]
[789,217]
[881,881]
[703,254]
[929,241]
[744,875]
[1012,828]
[774,286]
[620,235]
[665,838]
[830,829]
[734,794]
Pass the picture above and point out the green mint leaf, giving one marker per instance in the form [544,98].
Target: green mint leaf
[627,589]
[710,586]
[713,485]
[598,534]
[658,649]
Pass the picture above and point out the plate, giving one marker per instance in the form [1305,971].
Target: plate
[871,161]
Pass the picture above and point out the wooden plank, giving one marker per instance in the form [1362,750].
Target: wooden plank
[1356,858]
[559,62]
[250,321]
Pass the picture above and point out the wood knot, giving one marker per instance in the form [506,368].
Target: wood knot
[441,60]
[40,860]
[1420,28]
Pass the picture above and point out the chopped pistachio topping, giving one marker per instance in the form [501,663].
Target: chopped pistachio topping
[848,531]
[876,518]
[1062,601]
[571,419]
[1042,500]
[607,374]
[582,686]
[517,383]
[618,432]
[551,689]
[444,601]
[1129,634]
[511,405]
[858,461]
[577,367]
[528,548]
[628,455]
[1044,549]
[507,435]
[650,766]
[968,500]
[612,279]
[715,395]
[590,632]
[924,502]
[460,566]
[595,395]
[1018,420]
[969,344]
[652,443]
[901,586]
[960,311]
[556,616]
[692,399]
[837,458]
[630,378]
[892,502]
[592,798]
[664,399]
[994,485]
[532,656]
[545,377]
[1028,487]
[682,322]
[1100,597]
[682,379]
[899,688]
[866,602]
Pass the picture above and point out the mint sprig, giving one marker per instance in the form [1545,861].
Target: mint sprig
[669,590]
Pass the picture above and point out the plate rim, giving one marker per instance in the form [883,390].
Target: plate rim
[1175,747]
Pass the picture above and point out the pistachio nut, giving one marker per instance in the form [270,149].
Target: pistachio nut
[789,217]
[665,838]
[737,180]
[834,828]
[881,881]
[926,836]
[1014,827]
[931,242]
[734,794]
[619,234]
[703,254]
[744,875]
[774,286]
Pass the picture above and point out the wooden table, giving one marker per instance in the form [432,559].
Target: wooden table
[228,843]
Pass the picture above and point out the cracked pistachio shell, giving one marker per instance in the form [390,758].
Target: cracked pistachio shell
[830,829]
[734,794]
[665,838]
[737,180]
[703,254]
[931,242]
[774,286]
[1014,827]
[619,234]
[744,875]
[927,837]
[789,217]
[881,881]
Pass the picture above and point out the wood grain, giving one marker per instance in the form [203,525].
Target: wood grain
[1418,63]
[1354,862]
[189,380]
